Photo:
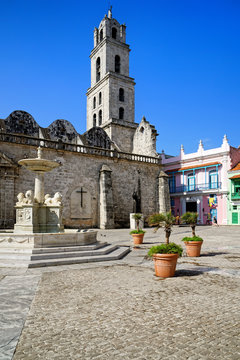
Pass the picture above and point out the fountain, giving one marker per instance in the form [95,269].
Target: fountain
[39,238]
[36,213]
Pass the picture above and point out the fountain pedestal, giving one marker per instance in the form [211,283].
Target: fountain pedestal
[38,219]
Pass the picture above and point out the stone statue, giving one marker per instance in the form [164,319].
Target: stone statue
[20,198]
[47,199]
[28,199]
[137,199]
[56,200]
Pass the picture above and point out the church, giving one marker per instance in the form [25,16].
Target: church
[111,170]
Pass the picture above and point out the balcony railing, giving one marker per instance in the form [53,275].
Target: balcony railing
[196,187]
[236,196]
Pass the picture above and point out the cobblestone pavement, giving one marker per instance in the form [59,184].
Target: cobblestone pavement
[120,310]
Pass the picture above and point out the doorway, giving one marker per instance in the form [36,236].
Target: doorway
[191,206]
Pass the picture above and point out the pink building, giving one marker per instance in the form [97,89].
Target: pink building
[198,182]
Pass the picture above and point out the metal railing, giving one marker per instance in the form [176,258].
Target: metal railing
[196,187]
[82,149]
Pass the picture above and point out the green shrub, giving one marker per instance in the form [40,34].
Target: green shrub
[193,238]
[170,248]
[137,232]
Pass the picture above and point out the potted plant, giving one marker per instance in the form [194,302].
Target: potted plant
[137,234]
[194,243]
[165,255]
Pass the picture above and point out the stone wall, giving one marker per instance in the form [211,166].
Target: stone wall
[77,179]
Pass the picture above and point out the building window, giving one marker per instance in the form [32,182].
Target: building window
[213,179]
[100,98]
[101,34]
[191,182]
[121,113]
[117,64]
[98,62]
[94,120]
[100,117]
[114,33]
[237,186]
[94,102]
[171,181]
[121,94]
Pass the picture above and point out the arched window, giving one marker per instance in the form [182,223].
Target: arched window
[213,179]
[101,34]
[100,98]
[100,117]
[121,113]
[117,64]
[98,62]
[114,33]
[94,102]
[121,94]
[94,120]
[191,182]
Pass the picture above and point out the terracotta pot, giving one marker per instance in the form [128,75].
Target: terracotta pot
[137,238]
[165,264]
[193,248]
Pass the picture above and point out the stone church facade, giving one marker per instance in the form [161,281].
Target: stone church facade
[106,173]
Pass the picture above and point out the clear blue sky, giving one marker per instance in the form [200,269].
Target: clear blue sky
[185,59]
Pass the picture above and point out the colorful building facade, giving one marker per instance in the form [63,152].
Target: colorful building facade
[234,195]
[198,182]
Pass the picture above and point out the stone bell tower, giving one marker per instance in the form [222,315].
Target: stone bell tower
[110,99]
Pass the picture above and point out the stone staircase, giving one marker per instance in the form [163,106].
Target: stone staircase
[62,255]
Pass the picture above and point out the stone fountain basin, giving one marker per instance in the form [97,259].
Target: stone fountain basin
[43,165]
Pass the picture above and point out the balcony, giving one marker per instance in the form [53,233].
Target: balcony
[196,187]
[236,195]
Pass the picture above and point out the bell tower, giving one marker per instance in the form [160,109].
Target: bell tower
[110,99]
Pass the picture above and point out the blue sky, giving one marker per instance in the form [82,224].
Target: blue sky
[185,60]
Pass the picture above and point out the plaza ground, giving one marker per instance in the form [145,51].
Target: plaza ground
[121,310]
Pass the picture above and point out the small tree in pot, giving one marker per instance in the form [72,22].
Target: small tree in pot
[137,234]
[165,256]
[194,243]
[191,219]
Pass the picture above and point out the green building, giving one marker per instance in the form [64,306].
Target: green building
[234,196]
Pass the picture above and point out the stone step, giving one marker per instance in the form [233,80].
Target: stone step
[61,249]
[117,254]
[58,255]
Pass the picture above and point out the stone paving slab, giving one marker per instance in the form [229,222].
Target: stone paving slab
[16,294]
[125,312]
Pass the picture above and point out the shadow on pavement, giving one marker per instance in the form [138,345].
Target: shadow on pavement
[213,254]
[188,273]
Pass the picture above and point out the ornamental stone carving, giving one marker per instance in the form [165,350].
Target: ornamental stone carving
[56,200]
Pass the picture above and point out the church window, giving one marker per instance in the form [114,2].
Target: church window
[94,120]
[121,113]
[100,117]
[117,64]
[142,129]
[121,94]
[100,98]
[94,102]
[114,33]
[101,34]
[98,62]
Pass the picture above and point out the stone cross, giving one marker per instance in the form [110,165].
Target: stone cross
[81,192]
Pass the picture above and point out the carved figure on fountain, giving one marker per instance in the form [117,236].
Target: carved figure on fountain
[56,200]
